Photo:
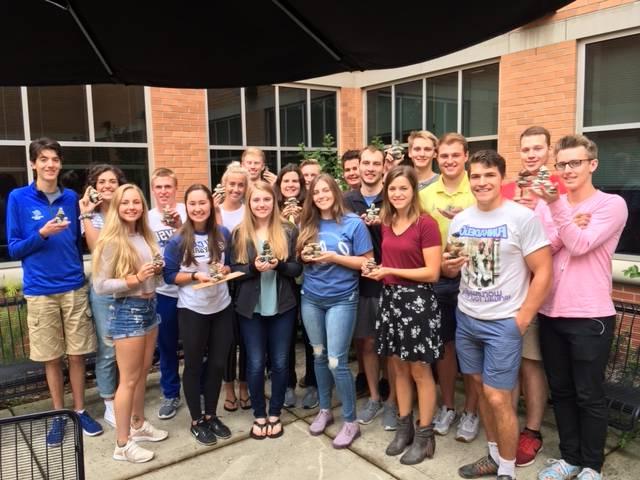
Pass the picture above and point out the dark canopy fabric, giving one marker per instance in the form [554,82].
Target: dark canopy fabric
[238,43]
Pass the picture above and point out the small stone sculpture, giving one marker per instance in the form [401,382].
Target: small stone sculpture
[267,254]
[215,273]
[219,190]
[525,180]
[543,180]
[370,266]
[396,150]
[291,202]
[372,213]
[167,218]
[313,250]
[455,247]
[94,195]
[158,261]
[60,216]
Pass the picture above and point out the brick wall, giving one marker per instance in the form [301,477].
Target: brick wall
[351,120]
[626,293]
[581,7]
[536,87]
[179,137]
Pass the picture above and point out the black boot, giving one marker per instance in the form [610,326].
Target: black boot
[404,436]
[424,446]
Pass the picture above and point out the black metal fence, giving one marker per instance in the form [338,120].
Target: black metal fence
[44,445]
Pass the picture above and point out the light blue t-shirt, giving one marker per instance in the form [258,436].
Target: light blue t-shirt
[369,199]
[268,299]
[349,237]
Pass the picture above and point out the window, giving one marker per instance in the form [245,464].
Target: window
[460,101]
[610,111]
[276,119]
[94,124]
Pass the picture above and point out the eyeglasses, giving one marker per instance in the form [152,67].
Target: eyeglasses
[561,166]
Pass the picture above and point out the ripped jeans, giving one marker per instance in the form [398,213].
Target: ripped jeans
[330,323]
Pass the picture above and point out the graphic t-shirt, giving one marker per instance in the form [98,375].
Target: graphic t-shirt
[350,237]
[495,280]
[405,250]
[163,233]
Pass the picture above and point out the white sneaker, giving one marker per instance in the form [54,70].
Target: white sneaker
[443,420]
[109,413]
[132,452]
[147,433]
[468,427]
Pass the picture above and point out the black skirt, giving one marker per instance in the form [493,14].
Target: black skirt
[408,323]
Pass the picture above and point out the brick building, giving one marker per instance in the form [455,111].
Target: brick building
[577,70]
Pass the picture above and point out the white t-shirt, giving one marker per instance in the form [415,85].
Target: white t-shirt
[495,280]
[163,233]
[232,218]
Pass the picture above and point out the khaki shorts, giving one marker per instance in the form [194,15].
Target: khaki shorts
[59,324]
[531,342]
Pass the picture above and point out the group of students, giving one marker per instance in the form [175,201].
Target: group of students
[449,274]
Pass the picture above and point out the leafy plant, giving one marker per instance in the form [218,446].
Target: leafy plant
[327,157]
[377,142]
[12,288]
[632,272]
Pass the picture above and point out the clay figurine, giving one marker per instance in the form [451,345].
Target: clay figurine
[60,216]
[220,191]
[313,250]
[370,266]
[94,195]
[267,254]
[543,180]
[455,247]
[372,213]
[215,273]
[167,218]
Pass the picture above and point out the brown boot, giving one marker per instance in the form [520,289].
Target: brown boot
[404,436]
[424,446]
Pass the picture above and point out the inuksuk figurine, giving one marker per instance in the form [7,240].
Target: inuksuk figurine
[219,190]
[167,218]
[313,250]
[266,255]
[372,213]
[455,247]
[94,195]
[158,260]
[543,180]
[291,202]
[60,216]
[371,265]
[525,180]
[215,273]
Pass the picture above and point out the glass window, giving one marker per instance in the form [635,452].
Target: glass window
[442,104]
[293,116]
[408,98]
[323,116]
[219,160]
[483,145]
[619,172]
[225,120]
[260,104]
[11,126]
[379,114]
[119,113]
[480,101]
[612,81]
[13,174]
[290,157]
[58,112]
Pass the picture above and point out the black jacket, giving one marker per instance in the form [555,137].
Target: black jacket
[247,288]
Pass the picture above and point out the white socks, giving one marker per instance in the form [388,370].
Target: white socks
[507,467]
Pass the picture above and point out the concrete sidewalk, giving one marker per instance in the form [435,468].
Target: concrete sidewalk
[296,455]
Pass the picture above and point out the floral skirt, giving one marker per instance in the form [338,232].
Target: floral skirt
[408,323]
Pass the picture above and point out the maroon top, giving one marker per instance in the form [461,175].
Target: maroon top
[405,250]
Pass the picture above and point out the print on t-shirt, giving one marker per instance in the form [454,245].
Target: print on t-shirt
[483,250]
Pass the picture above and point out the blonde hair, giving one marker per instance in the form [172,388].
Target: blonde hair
[235,168]
[245,232]
[115,234]
[425,135]
[253,151]
[164,172]
[310,216]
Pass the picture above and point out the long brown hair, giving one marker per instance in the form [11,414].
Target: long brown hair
[187,231]
[245,232]
[388,213]
[310,216]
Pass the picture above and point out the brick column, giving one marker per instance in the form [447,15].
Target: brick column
[537,87]
[351,127]
[179,139]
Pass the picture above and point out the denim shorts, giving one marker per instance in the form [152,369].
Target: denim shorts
[132,317]
[492,348]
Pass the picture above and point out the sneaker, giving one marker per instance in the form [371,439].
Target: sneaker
[482,467]
[558,470]
[310,399]
[169,408]
[468,427]
[55,436]
[219,429]
[370,411]
[390,417]
[505,477]
[109,414]
[147,433]
[290,399]
[383,389]
[89,426]
[132,452]
[589,474]
[529,444]
[361,385]
[443,420]
[347,434]
[203,433]
[323,419]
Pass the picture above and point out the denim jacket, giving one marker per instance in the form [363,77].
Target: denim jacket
[247,287]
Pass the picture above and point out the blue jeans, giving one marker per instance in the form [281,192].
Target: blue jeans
[105,356]
[267,336]
[330,323]
[168,346]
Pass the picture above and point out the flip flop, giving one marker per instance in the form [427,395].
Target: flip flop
[275,424]
[233,405]
[245,403]
[262,427]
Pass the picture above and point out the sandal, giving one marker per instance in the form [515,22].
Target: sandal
[245,403]
[271,427]
[263,430]
[231,405]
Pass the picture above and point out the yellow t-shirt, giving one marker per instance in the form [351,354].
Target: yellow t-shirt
[435,198]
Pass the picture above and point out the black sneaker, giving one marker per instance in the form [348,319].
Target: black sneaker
[361,385]
[202,433]
[218,428]
[383,389]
